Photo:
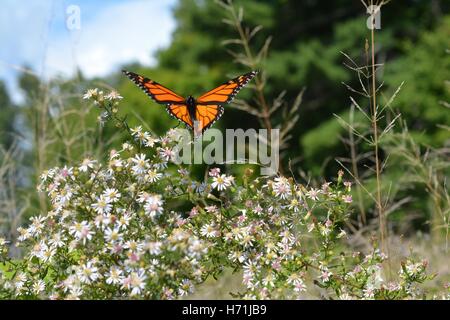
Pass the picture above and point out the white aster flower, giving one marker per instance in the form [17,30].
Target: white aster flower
[86,165]
[114,276]
[113,235]
[140,164]
[57,240]
[153,175]
[102,205]
[112,195]
[135,282]
[208,230]
[153,205]
[88,273]
[221,182]
[113,95]
[90,93]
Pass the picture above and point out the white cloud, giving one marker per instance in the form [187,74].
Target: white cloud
[129,31]
[33,32]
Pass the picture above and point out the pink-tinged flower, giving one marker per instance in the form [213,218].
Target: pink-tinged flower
[117,248]
[313,194]
[242,218]
[276,265]
[325,275]
[113,95]
[347,198]
[258,209]
[66,172]
[348,185]
[180,221]
[369,291]
[282,187]
[214,172]
[135,282]
[326,187]
[211,209]
[166,154]
[81,231]
[153,205]
[300,286]
[194,212]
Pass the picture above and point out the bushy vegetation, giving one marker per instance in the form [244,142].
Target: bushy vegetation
[119,230]
[363,116]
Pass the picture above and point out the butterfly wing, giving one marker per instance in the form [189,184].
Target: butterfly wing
[154,90]
[206,115]
[175,104]
[180,112]
[225,92]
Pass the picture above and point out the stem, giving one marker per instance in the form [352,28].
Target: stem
[381,216]
[249,54]
[355,168]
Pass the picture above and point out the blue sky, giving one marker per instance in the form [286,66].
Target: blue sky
[111,33]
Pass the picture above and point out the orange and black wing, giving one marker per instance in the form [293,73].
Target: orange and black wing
[154,90]
[205,116]
[225,93]
[180,112]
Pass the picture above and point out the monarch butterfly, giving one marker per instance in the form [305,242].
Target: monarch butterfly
[198,114]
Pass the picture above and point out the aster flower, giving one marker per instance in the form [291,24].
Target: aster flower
[214,172]
[86,165]
[140,164]
[90,93]
[282,187]
[88,273]
[113,95]
[153,175]
[113,235]
[166,154]
[57,240]
[313,194]
[135,282]
[114,276]
[103,205]
[153,205]
[81,231]
[347,198]
[111,195]
[221,182]
[209,231]
[186,287]
[154,247]
[38,287]
[124,221]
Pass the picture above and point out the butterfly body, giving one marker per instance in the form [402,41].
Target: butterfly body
[191,106]
[198,114]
